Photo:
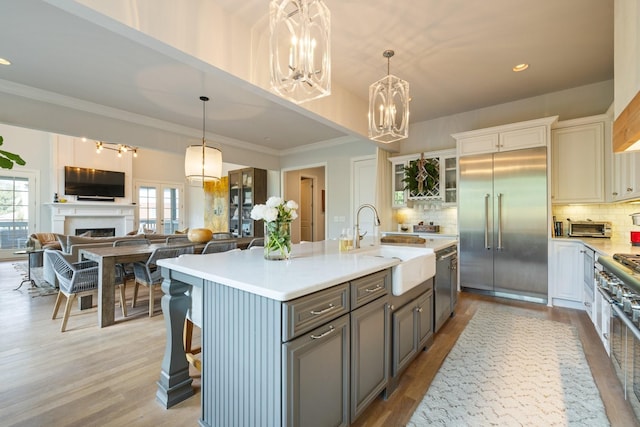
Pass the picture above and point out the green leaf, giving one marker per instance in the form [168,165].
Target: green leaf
[13,157]
[5,163]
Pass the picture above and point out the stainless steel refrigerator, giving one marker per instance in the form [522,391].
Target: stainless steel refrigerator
[502,219]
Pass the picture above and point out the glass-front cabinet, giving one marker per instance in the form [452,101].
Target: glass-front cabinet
[247,187]
[424,176]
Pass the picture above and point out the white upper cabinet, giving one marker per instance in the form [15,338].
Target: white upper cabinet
[626,176]
[515,136]
[577,161]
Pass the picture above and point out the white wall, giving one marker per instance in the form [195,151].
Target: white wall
[572,103]
[337,157]
[35,148]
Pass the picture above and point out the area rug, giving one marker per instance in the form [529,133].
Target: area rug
[42,288]
[513,370]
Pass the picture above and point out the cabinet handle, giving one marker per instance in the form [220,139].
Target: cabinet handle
[588,304]
[324,334]
[376,289]
[419,309]
[615,193]
[605,336]
[629,189]
[391,306]
[315,313]
[486,222]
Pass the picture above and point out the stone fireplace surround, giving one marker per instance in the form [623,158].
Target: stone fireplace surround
[67,217]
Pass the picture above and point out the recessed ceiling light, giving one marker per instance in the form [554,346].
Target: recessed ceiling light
[520,67]
[4,61]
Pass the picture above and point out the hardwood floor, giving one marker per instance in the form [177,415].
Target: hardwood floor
[106,377]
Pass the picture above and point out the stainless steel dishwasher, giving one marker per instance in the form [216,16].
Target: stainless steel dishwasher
[445,290]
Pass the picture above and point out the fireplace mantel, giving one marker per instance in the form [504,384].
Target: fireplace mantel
[66,217]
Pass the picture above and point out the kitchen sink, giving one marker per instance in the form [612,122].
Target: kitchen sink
[416,265]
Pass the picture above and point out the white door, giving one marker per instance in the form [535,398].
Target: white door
[160,207]
[306,209]
[364,191]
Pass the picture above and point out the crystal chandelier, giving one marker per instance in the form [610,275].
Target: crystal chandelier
[389,107]
[300,50]
[202,163]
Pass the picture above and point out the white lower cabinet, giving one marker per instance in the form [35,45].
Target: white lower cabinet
[601,316]
[566,273]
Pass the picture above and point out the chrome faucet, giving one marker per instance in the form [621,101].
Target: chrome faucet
[356,235]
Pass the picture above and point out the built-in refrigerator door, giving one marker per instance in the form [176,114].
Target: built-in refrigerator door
[520,222]
[475,222]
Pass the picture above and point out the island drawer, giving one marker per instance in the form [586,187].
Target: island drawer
[368,288]
[306,313]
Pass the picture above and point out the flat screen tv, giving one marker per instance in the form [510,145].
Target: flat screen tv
[86,182]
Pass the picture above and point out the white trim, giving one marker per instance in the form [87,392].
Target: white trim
[33,175]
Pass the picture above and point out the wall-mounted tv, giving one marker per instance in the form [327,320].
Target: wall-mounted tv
[93,183]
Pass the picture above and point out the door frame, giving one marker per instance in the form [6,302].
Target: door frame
[160,187]
[301,169]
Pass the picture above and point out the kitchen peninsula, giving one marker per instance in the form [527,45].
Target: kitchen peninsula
[286,342]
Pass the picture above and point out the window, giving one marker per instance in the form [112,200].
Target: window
[17,210]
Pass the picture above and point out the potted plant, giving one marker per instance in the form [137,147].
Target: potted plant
[7,159]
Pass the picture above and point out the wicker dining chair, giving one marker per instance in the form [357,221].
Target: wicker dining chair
[127,268]
[257,242]
[178,238]
[212,246]
[222,235]
[148,273]
[77,279]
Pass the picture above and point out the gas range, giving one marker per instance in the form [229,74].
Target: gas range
[619,282]
[632,261]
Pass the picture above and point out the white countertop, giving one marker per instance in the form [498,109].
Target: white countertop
[605,247]
[313,267]
[434,241]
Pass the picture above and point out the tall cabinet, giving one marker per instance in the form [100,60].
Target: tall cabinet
[247,187]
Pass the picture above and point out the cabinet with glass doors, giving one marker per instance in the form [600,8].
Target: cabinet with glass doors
[247,187]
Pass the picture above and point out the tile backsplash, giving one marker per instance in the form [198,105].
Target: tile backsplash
[616,213]
[444,216]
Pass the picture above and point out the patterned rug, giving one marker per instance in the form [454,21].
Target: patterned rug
[42,288]
[513,370]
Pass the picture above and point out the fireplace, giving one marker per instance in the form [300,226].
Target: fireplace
[97,232]
[66,218]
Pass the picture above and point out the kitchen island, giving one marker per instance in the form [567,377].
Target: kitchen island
[273,331]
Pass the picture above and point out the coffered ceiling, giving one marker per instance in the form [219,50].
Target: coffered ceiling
[78,73]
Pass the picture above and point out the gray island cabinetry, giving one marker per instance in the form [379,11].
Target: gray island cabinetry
[299,343]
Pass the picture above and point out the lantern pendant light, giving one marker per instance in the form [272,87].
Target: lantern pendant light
[389,107]
[300,49]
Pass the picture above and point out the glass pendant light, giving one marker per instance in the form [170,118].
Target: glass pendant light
[300,49]
[389,107]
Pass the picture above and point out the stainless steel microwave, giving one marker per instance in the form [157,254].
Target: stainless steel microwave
[590,229]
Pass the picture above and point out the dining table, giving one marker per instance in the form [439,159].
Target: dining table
[107,257]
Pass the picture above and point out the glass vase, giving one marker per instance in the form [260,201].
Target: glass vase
[277,240]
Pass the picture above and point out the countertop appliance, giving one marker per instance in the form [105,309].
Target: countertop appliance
[590,229]
[445,286]
[502,218]
[619,283]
